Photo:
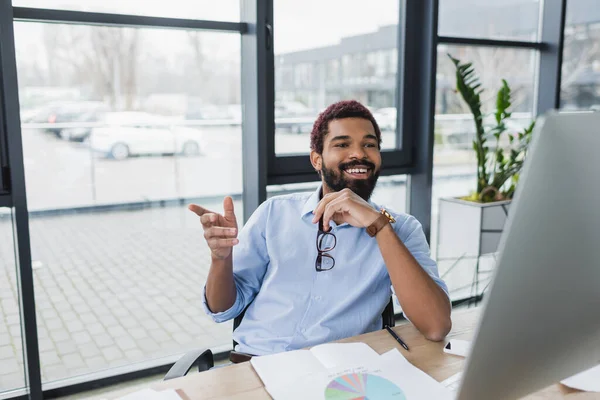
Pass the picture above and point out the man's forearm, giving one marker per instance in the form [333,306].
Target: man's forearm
[220,286]
[422,300]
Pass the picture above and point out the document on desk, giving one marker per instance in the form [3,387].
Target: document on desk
[389,376]
[288,366]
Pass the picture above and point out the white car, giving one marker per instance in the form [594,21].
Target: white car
[124,134]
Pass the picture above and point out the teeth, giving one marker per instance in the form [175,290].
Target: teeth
[357,171]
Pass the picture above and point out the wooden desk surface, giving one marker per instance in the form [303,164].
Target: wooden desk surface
[241,382]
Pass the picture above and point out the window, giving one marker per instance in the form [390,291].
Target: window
[501,19]
[225,10]
[454,168]
[121,129]
[335,59]
[11,345]
[581,57]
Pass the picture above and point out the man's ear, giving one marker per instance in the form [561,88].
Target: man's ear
[316,160]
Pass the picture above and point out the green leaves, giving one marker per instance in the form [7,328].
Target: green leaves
[469,87]
[503,103]
[506,161]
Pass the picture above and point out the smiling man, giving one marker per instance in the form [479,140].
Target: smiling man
[312,268]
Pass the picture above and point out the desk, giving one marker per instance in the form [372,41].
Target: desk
[241,382]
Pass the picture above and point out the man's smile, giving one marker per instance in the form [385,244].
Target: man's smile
[357,172]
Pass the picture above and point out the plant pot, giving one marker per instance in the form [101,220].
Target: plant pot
[467,229]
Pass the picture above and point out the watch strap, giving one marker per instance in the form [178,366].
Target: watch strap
[378,225]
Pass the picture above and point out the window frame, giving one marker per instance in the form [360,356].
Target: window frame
[294,168]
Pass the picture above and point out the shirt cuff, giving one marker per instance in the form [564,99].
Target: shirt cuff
[222,316]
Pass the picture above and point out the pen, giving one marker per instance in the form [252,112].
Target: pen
[396,337]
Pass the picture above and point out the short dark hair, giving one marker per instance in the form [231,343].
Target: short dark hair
[340,110]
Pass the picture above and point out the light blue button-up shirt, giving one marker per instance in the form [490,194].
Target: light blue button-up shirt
[291,304]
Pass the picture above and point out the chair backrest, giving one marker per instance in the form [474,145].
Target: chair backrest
[388,317]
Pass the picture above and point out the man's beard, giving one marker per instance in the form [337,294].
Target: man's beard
[336,181]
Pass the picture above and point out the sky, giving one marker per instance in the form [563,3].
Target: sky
[299,24]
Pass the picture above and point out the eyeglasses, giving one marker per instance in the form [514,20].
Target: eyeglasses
[326,241]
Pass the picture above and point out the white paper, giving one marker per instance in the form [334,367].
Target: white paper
[335,354]
[283,367]
[458,347]
[453,383]
[149,394]
[391,368]
[588,380]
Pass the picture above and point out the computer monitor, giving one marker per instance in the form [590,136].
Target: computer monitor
[541,317]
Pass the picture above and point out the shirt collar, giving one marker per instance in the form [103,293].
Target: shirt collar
[312,202]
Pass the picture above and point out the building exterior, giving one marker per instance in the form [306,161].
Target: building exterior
[364,67]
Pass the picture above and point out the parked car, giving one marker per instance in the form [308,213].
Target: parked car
[293,117]
[138,133]
[64,113]
[83,126]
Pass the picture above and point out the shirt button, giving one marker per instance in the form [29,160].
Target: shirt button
[317,298]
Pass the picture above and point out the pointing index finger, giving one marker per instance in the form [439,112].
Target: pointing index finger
[199,211]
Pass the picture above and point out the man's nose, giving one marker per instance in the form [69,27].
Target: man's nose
[358,152]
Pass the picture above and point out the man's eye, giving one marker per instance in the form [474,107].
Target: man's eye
[369,145]
[341,145]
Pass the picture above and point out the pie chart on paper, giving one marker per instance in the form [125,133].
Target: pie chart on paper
[362,387]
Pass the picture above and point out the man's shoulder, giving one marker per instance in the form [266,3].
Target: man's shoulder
[285,202]
[290,199]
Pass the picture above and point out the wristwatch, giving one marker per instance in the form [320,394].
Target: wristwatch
[381,221]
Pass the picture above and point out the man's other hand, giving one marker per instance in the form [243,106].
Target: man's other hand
[345,206]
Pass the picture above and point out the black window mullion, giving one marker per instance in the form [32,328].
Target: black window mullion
[462,41]
[12,128]
[122,20]
[258,101]
[419,109]
[550,68]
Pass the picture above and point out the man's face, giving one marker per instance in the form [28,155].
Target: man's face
[351,157]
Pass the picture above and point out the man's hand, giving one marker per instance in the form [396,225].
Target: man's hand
[220,231]
[345,206]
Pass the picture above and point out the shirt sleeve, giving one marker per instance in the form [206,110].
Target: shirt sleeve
[412,235]
[250,261]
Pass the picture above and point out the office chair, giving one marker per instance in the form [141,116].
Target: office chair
[203,357]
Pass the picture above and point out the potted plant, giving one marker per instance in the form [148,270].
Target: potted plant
[471,226]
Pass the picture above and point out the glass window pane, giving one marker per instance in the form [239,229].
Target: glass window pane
[500,19]
[455,162]
[580,88]
[122,128]
[223,10]
[12,374]
[321,58]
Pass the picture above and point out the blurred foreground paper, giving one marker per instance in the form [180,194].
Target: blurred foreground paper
[588,380]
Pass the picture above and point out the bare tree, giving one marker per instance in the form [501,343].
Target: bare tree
[581,51]
[103,59]
[115,54]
